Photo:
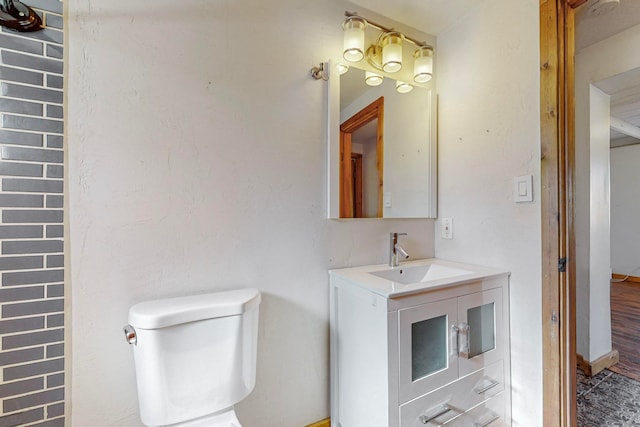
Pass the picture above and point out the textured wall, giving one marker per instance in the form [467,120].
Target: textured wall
[625,205]
[31,200]
[196,142]
[489,128]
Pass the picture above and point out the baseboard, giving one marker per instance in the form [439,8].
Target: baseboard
[628,279]
[323,423]
[601,363]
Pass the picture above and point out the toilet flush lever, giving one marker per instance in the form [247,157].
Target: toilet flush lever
[130,334]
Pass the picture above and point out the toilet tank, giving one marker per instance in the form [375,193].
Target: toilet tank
[194,355]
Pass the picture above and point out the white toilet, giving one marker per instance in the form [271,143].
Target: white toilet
[195,357]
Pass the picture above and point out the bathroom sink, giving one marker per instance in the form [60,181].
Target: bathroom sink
[419,273]
[413,276]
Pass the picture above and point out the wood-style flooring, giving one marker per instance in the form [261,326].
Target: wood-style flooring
[625,327]
[612,397]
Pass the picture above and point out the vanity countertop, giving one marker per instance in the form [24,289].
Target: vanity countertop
[414,276]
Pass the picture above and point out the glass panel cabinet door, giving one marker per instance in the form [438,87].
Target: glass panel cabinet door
[480,329]
[428,346]
[427,349]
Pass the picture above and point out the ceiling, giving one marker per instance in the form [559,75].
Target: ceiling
[592,28]
[435,16]
[624,89]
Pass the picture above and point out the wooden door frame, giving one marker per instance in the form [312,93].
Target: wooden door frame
[557,133]
[356,163]
[371,112]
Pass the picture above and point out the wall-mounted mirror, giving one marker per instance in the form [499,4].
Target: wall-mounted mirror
[382,148]
[381,142]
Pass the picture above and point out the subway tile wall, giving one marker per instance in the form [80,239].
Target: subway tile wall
[32,386]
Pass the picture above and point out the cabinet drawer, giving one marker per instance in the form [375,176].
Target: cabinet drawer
[450,401]
[488,414]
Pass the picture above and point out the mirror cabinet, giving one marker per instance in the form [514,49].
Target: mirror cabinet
[382,147]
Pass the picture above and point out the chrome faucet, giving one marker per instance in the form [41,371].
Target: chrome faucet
[395,250]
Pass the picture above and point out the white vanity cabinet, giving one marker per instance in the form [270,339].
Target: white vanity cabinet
[429,353]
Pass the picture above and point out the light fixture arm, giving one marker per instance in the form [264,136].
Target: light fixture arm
[18,16]
[388,30]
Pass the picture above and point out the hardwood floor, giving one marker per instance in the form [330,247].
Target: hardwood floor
[625,327]
[610,398]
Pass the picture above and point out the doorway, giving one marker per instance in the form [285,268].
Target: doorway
[558,127]
[361,160]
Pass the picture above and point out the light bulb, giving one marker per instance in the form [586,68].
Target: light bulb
[342,68]
[353,29]
[403,87]
[392,52]
[423,64]
[373,79]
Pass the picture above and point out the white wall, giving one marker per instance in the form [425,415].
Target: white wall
[602,60]
[196,148]
[489,127]
[625,205]
[599,240]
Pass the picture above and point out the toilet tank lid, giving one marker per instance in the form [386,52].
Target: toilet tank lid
[162,313]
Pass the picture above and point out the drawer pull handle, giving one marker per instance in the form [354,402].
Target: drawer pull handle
[455,337]
[494,417]
[443,410]
[492,384]
[466,332]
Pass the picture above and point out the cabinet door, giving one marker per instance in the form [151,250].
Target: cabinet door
[480,330]
[427,355]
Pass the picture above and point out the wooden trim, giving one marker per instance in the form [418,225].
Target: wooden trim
[633,279]
[322,423]
[576,3]
[371,112]
[557,183]
[592,368]
[346,190]
[568,340]
[549,122]
[364,116]
[356,164]
[380,156]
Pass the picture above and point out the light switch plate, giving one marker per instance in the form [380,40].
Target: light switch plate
[447,228]
[523,189]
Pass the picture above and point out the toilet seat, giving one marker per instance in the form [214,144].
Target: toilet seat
[224,418]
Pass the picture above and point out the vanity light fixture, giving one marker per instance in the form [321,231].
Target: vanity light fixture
[402,87]
[423,64]
[353,28]
[386,53]
[373,79]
